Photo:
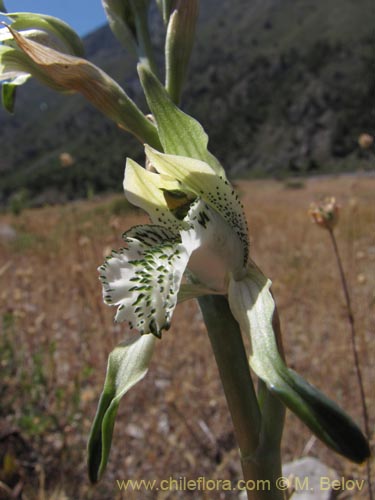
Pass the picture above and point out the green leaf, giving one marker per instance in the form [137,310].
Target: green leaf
[179,45]
[179,133]
[2,6]
[127,365]
[253,306]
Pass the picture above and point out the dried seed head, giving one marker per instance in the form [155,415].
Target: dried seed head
[365,141]
[326,213]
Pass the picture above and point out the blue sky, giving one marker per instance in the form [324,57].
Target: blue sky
[82,15]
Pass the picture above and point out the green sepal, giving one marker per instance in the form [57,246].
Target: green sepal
[179,133]
[127,365]
[8,96]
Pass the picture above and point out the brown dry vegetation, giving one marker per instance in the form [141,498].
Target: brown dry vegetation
[56,335]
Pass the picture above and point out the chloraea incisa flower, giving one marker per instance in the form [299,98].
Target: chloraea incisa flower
[199,231]
[198,224]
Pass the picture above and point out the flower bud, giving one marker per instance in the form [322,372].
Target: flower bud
[121,21]
[179,44]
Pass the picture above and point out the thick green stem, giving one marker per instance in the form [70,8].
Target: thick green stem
[259,448]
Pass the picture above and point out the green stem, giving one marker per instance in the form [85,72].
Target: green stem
[130,118]
[146,53]
[259,448]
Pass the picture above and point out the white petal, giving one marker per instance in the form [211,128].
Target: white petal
[216,251]
[143,279]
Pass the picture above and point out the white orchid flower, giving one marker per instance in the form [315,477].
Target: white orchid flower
[199,226]
[198,230]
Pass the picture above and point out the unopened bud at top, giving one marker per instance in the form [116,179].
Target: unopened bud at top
[326,213]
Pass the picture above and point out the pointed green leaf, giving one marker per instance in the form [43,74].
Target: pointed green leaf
[2,6]
[252,305]
[127,365]
[179,133]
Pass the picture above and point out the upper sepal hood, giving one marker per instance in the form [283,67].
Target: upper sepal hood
[200,178]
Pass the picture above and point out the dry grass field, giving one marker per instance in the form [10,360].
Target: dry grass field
[56,335]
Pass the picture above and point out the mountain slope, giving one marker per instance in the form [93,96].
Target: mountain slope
[281,86]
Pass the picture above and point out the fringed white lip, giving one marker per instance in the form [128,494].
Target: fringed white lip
[143,279]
